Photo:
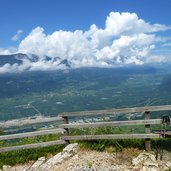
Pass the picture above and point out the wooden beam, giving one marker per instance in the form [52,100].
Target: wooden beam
[147,125]
[28,121]
[65,121]
[118,111]
[147,131]
[29,146]
[112,123]
[32,134]
[110,136]
[168,133]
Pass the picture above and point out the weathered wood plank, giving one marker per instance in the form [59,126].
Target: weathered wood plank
[147,131]
[29,146]
[32,134]
[110,136]
[112,123]
[28,121]
[118,111]
[66,129]
[168,133]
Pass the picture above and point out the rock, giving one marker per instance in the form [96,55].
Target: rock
[135,161]
[71,159]
[6,168]
[57,159]
[145,168]
[144,157]
[168,164]
[36,165]
[67,152]
[71,148]
[148,163]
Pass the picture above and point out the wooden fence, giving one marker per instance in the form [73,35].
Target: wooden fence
[26,122]
[66,125]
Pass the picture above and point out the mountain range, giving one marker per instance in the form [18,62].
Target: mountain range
[20,58]
[74,89]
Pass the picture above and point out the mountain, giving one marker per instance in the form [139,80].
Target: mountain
[23,94]
[30,62]
[10,59]
[20,58]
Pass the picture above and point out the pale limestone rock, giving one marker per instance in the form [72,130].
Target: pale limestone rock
[71,148]
[146,168]
[147,162]
[51,162]
[6,168]
[67,152]
[150,163]
[37,164]
[168,164]
[144,157]
[93,161]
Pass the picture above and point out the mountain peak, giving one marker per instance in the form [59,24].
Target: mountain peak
[32,62]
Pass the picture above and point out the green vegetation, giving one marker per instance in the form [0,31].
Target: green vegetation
[22,156]
[118,145]
[51,93]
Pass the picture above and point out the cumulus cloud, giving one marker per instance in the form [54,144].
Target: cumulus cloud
[8,51]
[17,35]
[125,39]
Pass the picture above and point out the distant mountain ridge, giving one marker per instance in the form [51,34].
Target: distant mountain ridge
[20,62]
[19,58]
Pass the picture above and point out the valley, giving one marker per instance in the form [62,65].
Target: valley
[49,93]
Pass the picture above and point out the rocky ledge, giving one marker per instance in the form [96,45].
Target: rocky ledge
[72,158]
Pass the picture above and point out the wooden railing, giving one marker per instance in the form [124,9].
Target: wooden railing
[65,127]
[147,122]
[30,121]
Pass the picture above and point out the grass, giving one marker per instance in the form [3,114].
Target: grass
[22,156]
[131,146]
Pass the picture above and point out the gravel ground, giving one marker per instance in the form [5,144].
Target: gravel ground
[88,160]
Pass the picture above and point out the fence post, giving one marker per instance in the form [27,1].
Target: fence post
[65,121]
[147,131]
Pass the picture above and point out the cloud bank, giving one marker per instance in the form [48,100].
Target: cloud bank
[17,35]
[125,39]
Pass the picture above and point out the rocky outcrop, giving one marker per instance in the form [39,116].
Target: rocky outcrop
[37,164]
[67,152]
[147,162]
[74,159]
[140,164]
[42,165]
[96,161]
[45,165]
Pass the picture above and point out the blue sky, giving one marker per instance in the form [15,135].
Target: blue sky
[72,14]
[88,31]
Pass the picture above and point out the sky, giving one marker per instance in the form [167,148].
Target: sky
[87,32]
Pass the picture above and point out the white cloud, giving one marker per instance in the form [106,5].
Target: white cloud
[157,59]
[125,39]
[166,45]
[8,51]
[118,23]
[17,35]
